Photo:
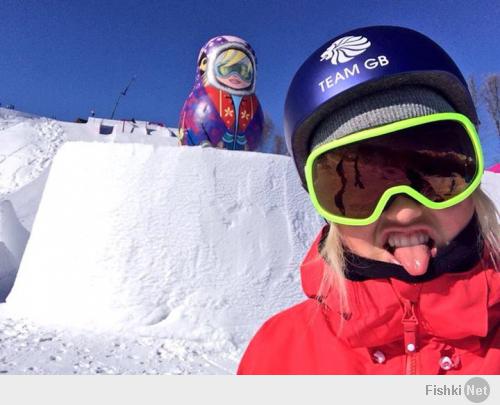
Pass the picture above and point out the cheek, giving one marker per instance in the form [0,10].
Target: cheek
[359,239]
[452,220]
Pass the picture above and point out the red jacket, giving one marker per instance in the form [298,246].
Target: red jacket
[448,325]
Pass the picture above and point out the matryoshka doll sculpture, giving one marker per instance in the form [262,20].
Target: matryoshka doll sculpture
[222,110]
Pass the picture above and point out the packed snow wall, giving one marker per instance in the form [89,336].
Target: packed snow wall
[192,240]
[13,239]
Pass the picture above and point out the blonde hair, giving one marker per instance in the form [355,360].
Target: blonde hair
[232,57]
[333,252]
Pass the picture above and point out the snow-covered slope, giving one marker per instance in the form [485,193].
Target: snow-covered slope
[8,270]
[28,143]
[199,242]
[13,239]
[12,233]
[27,146]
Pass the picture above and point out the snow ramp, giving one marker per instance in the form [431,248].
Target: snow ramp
[188,242]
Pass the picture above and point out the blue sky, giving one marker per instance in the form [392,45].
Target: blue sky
[64,58]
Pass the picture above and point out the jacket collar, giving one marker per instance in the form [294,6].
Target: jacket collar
[468,302]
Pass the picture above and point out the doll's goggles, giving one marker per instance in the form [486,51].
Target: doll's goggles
[233,61]
[435,159]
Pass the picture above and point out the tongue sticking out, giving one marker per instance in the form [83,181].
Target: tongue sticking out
[414,259]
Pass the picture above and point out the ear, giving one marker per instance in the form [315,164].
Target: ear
[202,64]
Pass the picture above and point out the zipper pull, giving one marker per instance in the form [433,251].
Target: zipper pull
[410,326]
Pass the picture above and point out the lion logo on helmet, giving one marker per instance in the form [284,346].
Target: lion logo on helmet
[345,49]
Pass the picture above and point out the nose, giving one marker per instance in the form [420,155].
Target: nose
[403,210]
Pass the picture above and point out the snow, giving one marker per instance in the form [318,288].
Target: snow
[28,143]
[27,146]
[490,184]
[13,240]
[143,257]
[122,131]
[13,234]
[137,240]
[204,241]
[28,348]
[8,269]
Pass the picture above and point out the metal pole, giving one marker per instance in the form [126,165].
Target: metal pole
[123,93]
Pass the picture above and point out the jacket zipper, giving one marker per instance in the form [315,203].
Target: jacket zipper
[236,107]
[410,329]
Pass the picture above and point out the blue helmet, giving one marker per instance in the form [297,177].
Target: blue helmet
[361,62]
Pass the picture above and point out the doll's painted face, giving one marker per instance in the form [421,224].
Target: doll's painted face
[234,69]
[408,233]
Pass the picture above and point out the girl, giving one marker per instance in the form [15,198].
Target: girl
[404,279]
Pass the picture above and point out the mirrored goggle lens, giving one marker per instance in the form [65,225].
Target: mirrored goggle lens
[234,61]
[436,159]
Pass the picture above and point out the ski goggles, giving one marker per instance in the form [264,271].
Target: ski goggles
[236,62]
[435,159]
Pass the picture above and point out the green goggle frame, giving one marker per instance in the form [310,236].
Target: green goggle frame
[465,123]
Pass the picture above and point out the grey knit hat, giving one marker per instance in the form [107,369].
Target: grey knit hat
[379,109]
